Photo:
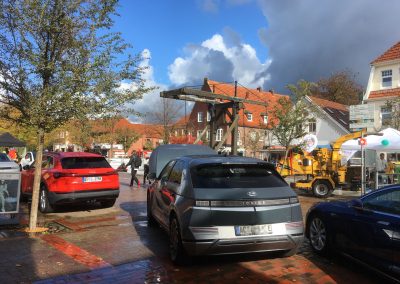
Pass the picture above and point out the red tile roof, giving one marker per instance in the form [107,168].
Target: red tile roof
[337,111]
[252,94]
[148,130]
[395,92]
[325,103]
[391,54]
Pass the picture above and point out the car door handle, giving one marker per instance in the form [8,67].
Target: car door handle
[383,223]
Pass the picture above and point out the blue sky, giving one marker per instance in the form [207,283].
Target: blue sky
[166,27]
[259,43]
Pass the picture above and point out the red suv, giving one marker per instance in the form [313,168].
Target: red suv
[71,177]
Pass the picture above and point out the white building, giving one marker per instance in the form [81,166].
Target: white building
[331,120]
[384,82]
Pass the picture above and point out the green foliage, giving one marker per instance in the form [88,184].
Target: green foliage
[291,116]
[126,136]
[340,87]
[58,61]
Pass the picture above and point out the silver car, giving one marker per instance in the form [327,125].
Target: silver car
[7,165]
[213,205]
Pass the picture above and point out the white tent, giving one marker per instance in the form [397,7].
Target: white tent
[389,141]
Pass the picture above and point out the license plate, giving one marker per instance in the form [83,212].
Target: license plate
[92,179]
[253,230]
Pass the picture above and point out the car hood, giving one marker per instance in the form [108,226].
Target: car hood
[243,193]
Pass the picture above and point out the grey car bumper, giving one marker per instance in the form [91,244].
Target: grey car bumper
[243,245]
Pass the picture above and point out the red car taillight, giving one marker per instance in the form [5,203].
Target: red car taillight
[61,174]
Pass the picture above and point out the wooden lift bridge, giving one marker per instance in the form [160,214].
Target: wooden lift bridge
[218,106]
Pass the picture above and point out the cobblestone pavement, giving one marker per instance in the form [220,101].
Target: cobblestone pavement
[115,245]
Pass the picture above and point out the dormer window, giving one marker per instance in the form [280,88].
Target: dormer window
[249,116]
[386,78]
[265,119]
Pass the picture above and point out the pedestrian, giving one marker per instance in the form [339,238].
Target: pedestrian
[146,170]
[135,162]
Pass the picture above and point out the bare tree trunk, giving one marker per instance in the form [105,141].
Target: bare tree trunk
[36,181]
[285,160]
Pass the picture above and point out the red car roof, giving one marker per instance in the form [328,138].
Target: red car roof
[75,154]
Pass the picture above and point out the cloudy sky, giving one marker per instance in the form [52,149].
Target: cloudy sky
[268,43]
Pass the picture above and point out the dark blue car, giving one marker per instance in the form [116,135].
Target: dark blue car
[366,229]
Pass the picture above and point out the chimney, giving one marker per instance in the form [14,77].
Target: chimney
[271,91]
[259,89]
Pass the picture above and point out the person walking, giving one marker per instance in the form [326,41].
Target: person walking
[146,170]
[135,162]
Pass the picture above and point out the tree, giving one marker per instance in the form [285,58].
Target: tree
[58,61]
[392,106]
[166,113]
[126,137]
[340,87]
[289,117]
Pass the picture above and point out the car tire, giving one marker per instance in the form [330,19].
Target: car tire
[44,204]
[150,218]
[107,203]
[322,188]
[319,235]
[176,250]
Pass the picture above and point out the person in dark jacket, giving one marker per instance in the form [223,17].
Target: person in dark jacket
[146,170]
[134,163]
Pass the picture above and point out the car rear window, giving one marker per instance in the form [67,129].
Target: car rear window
[235,176]
[84,163]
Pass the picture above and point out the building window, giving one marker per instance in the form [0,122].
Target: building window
[208,135]
[386,78]
[312,127]
[189,133]
[219,134]
[62,134]
[249,116]
[239,142]
[265,119]
[199,117]
[386,113]
[208,116]
[199,133]
[176,132]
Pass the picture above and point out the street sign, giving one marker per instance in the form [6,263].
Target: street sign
[365,116]
[362,112]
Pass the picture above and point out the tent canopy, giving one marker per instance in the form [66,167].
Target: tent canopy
[389,141]
[7,140]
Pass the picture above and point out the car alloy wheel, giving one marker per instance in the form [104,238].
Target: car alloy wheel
[176,249]
[44,205]
[318,235]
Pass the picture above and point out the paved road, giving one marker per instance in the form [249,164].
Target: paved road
[89,244]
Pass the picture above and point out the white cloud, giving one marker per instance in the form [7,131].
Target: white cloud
[217,60]
[209,5]
[149,100]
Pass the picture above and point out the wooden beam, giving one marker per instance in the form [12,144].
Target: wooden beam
[174,94]
[201,135]
[227,132]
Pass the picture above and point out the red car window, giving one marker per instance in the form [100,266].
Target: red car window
[84,163]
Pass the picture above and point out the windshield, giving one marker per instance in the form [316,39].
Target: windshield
[4,158]
[235,176]
[84,163]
